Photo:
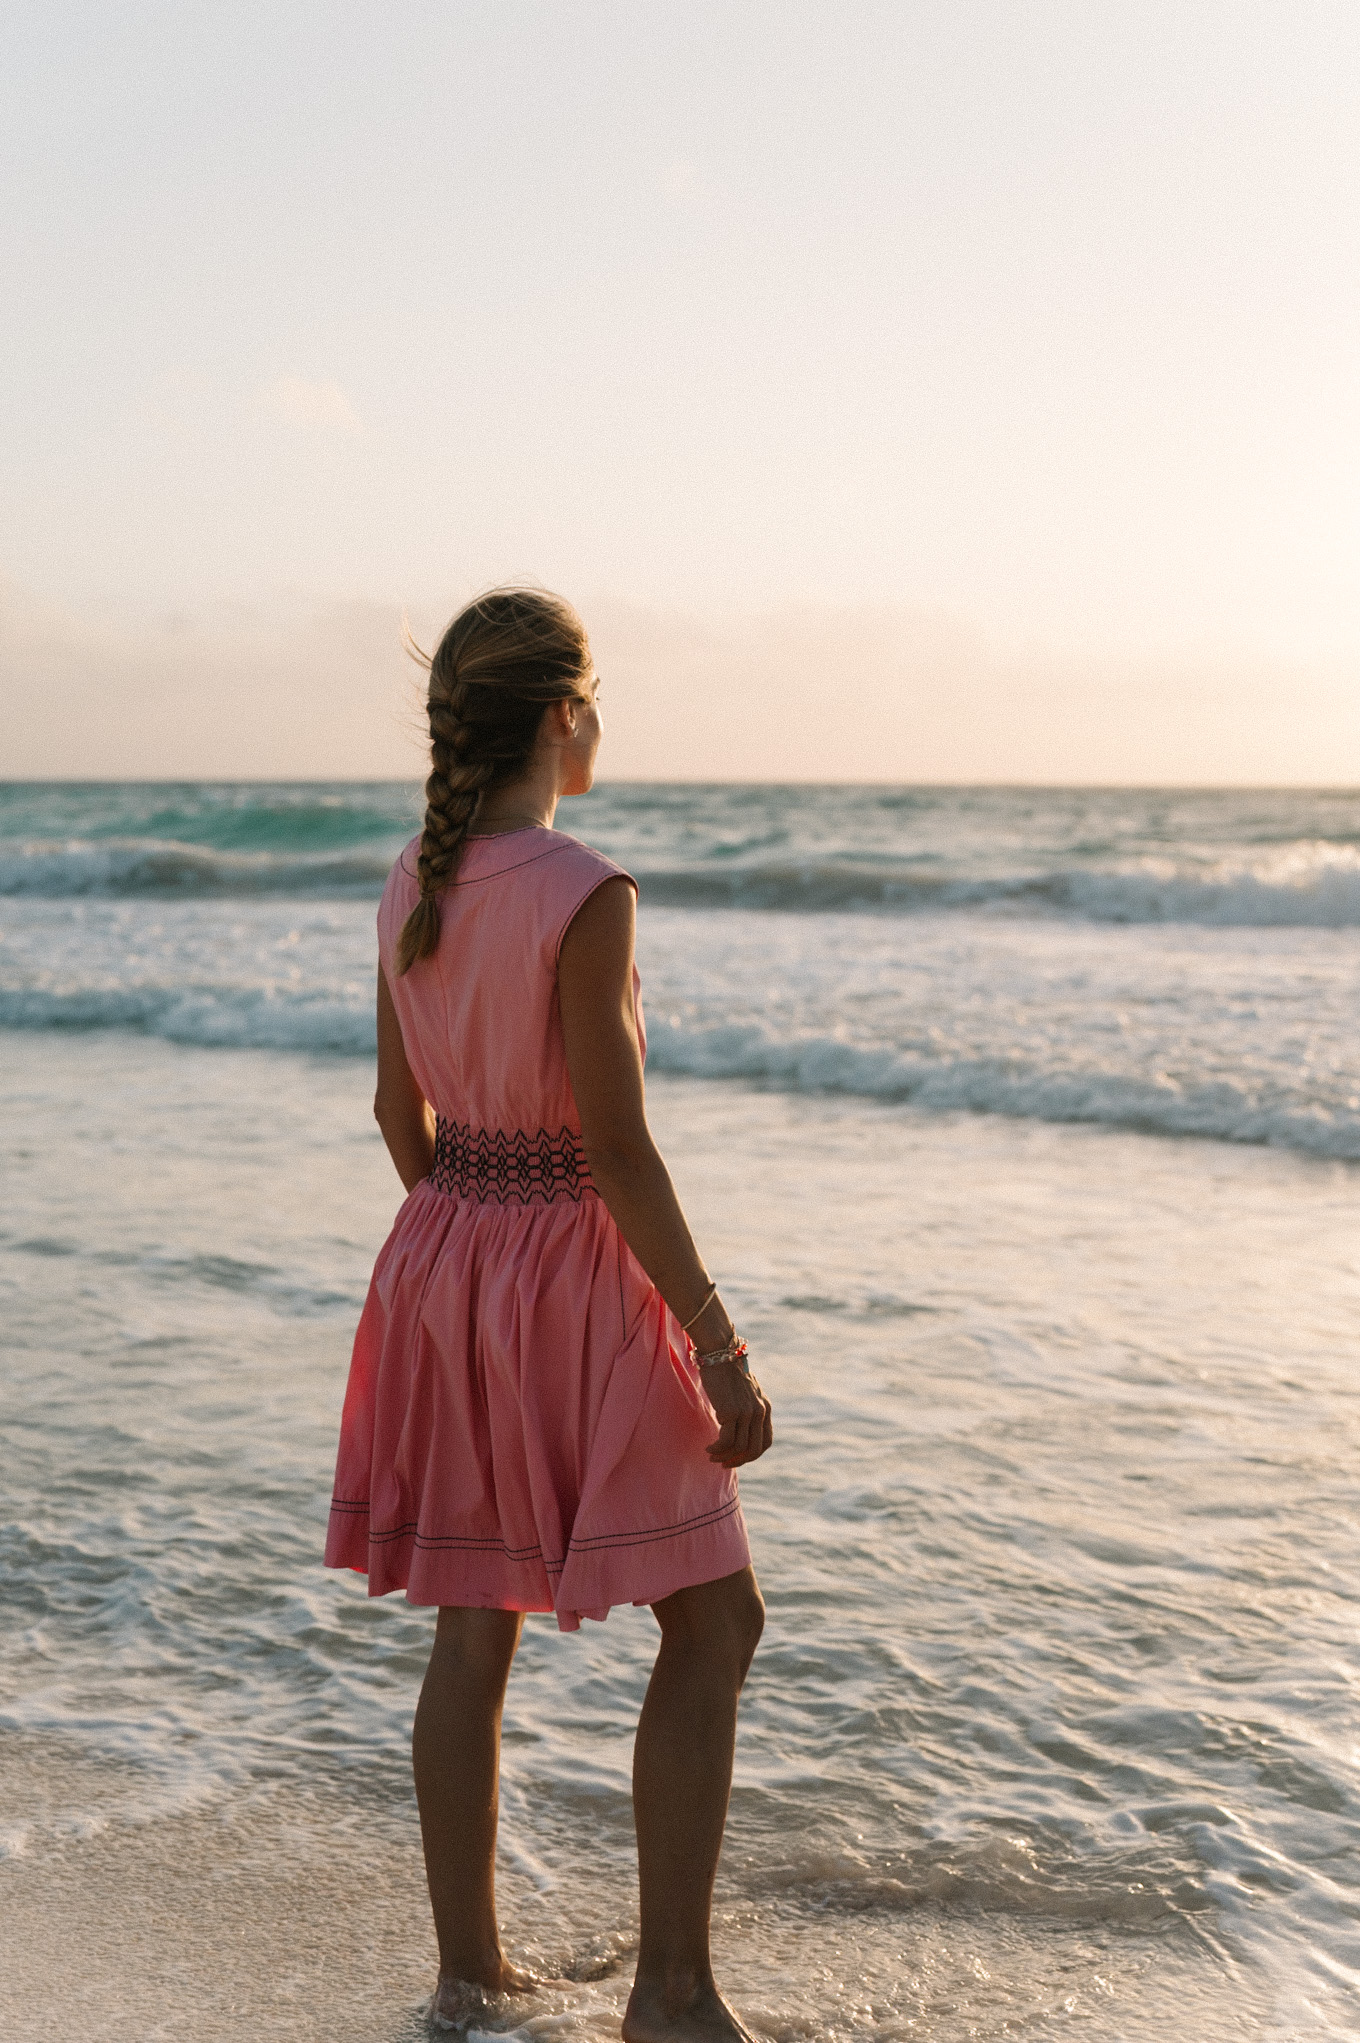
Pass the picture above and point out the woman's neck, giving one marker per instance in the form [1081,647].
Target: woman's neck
[526,804]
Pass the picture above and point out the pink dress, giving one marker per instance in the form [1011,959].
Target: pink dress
[522,1428]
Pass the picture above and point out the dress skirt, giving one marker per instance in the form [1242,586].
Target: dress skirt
[522,1428]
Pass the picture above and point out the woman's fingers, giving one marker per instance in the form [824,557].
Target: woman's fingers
[746,1433]
[721,1448]
[727,1448]
[745,1425]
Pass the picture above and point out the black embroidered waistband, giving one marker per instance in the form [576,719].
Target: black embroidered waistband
[508,1165]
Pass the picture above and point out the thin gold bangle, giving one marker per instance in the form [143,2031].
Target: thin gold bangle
[709,1297]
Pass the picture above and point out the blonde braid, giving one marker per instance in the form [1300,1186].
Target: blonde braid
[453,795]
[503,659]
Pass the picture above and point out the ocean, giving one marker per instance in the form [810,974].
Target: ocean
[1021,1129]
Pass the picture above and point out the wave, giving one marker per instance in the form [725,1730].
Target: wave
[1141,1889]
[1219,1109]
[1306,885]
[747,1054]
[1313,886]
[244,1018]
[137,866]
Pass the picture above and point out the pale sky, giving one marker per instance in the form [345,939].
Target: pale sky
[961,390]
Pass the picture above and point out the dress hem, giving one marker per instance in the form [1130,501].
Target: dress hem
[438,1571]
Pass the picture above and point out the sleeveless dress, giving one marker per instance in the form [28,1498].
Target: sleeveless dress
[522,1428]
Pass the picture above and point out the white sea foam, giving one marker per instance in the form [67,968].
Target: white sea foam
[752,1053]
[1300,886]
[1222,1110]
[244,1018]
[1240,1033]
[1304,884]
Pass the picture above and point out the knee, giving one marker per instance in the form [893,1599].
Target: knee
[720,1623]
[475,1647]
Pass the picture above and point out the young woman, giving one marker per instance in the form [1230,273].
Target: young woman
[547,1400]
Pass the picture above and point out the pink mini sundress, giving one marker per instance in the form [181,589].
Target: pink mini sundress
[522,1428]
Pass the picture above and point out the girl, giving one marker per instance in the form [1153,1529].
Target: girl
[548,1399]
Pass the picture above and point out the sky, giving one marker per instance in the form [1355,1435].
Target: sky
[957,391]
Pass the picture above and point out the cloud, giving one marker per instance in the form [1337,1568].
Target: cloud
[898,693]
[275,689]
[290,689]
[324,407]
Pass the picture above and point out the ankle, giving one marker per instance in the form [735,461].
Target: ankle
[672,1978]
[484,1966]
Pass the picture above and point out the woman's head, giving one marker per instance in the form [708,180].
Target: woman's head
[504,660]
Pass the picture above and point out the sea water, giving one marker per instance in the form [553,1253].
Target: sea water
[1021,1129]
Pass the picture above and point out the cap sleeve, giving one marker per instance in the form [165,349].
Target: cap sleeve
[398,899]
[579,875]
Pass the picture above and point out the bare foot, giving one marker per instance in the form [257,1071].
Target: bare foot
[457,2001]
[699,2015]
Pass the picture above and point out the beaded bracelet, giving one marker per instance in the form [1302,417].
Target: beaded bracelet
[734,1350]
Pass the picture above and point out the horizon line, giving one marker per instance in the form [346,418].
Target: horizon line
[686,780]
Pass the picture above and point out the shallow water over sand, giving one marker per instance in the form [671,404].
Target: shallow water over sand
[1053,1725]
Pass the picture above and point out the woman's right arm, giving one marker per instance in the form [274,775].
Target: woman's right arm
[604,1061]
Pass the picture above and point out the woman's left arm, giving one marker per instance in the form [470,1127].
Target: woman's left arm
[399,1106]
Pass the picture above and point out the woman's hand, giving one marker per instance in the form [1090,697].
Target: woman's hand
[743,1414]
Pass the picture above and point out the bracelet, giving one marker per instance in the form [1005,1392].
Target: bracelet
[734,1350]
[709,1297]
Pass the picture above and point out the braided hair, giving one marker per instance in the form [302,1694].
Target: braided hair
[500,663]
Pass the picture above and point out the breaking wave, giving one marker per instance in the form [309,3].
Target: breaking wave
[748,1053]
[1221,1109]
[1307,885]
[139,866]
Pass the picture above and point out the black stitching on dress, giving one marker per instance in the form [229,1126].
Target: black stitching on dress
[611,1539]
[518,866]
[483,877]
[508,1165]
[437,1542]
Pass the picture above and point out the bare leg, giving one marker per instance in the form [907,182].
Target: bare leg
[456,1751]
[682,1776]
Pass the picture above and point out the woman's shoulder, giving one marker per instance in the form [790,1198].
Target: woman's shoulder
[569,872]
[584,858]
[577,869]
[550,874]
[547,861]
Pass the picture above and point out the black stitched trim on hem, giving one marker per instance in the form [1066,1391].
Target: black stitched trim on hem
[604,1541]
[508,1165]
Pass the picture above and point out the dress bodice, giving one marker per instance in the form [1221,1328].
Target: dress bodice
[480,1018]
